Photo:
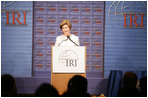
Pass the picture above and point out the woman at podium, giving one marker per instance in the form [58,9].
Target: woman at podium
[66,39]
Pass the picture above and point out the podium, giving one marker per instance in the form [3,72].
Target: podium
[65,63]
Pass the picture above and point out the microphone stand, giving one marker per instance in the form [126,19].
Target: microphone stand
[72,40]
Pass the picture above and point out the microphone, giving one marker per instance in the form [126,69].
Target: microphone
[72,40]
[62,41]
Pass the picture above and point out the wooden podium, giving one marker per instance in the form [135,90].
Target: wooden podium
[65,63]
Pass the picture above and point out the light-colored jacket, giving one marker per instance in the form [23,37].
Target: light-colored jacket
[64,41]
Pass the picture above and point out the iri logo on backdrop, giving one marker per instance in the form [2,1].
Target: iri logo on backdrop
[132,14]
[68,58]
[14,15]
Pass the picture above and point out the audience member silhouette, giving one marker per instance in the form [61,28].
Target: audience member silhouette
[129,86]
[8,86]
[46,90]
[143,86]
[77,87]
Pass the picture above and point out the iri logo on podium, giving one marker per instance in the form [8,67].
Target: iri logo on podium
[68,58]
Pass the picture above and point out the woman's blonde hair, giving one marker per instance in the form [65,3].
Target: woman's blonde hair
[65,22]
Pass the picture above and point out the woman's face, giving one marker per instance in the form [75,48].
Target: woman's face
[66,30]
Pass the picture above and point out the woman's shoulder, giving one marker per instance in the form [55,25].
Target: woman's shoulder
[74,36]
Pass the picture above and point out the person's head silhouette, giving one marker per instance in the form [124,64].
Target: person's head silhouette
[46,90]
[78,83]
[129,86]
[77,87]
[8,85]
[130,79]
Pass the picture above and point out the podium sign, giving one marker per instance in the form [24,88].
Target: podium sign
[68,59]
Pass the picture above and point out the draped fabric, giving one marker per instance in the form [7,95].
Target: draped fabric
[115,81]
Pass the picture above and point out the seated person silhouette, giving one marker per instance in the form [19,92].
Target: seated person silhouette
[143,86]
[8,86]
[46,90]
[129,86]
[77,87]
